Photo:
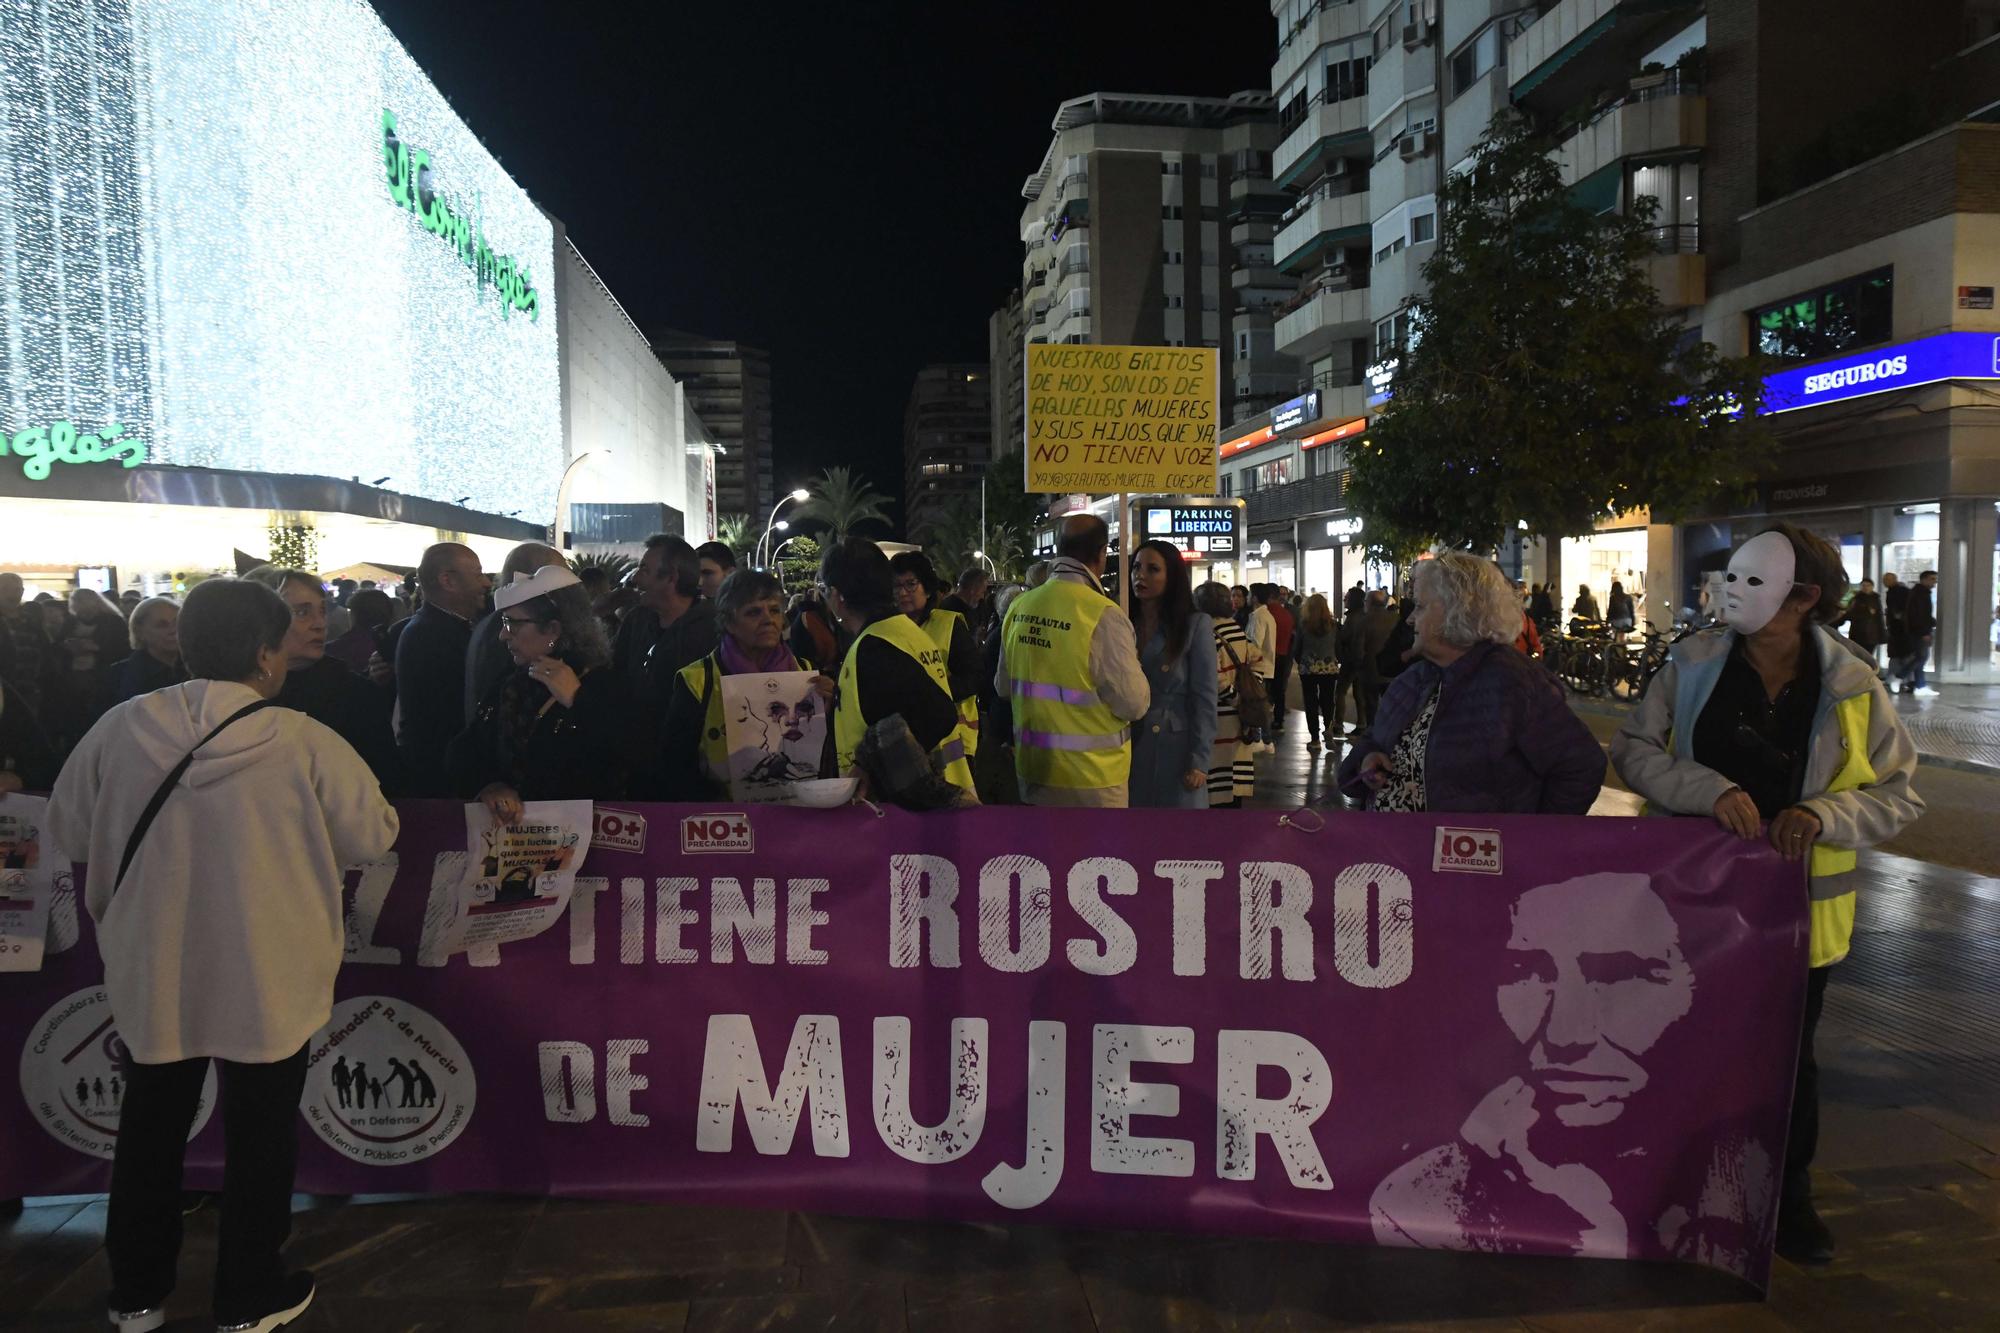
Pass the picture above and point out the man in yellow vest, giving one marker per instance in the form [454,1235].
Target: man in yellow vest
[1777,718]
[892,666]
[1069,662]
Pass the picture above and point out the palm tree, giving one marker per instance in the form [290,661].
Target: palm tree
[733,531]
[842,502]
[952,536]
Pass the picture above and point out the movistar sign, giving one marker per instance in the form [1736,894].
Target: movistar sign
[1943,356]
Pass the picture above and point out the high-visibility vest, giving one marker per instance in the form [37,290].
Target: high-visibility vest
[702,681]
[1064,735]
[941,625]
[1832,924]
[848,725]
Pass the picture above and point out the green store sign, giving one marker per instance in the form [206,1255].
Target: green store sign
[40,448]
[409,186]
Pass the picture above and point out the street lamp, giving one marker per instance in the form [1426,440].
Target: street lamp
[774,567]
[799,496]
[561,525]
[981,555]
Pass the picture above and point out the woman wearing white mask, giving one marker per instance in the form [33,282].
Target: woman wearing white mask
[1773,716]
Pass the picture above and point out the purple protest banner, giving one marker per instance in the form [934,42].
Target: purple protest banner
[1535,1035]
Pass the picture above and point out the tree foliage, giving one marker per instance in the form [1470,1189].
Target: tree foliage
[1544,381]
[842,502]
[798,563]
[738,533]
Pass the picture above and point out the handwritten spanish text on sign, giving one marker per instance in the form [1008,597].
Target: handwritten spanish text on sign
[1121,418]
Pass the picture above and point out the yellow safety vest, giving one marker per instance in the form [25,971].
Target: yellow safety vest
[848,724]
[941,625]
[704,678]
[1832,925]
[1064,735]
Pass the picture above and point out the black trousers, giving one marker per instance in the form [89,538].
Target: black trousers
[1322,703]
[1367,697]
[260,1111]
[1281,677]
[1803,1141]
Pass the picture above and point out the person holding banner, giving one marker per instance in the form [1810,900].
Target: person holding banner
[559,727]
[1472,725]
[1773,717]
[1174,743]
[217,828]
[748,610]
[917,588]
[1070,664]
[892,668]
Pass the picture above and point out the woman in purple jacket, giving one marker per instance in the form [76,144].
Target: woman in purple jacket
[1473,725]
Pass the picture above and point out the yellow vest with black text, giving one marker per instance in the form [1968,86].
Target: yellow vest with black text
[1064,735]
[941,625]
[848,725]
[696,679]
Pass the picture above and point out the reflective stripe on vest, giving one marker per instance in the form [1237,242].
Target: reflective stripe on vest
[940,626]
[1064,735]
[1832,896]
[714,752]
[849,726]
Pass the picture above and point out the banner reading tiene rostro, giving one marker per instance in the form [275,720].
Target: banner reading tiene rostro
[1121,419]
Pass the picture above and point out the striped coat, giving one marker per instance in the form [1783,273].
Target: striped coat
[1232,770]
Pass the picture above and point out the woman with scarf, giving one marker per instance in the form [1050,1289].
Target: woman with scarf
[559,726]
[748,610]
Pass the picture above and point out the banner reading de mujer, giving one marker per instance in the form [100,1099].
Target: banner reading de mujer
[1557,1036]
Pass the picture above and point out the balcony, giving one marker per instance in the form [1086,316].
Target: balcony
[1039,278]
[1318,220]
[1325,317]
[1583,45]
[1665,115]
[1294,499]
[1326,127]
[1328,21]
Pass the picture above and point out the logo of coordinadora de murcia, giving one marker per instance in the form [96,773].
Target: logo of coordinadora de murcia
[72,1074]
[386,1083]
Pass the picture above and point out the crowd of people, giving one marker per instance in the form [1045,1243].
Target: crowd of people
[290,713]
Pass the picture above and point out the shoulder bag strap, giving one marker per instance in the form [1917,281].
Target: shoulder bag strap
[171,781]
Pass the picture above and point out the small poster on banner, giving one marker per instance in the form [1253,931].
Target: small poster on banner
[519,876]
[27,881]
[775,726]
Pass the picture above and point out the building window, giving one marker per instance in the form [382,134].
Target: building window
[1224,485]
[1857,312]
[1423,227]
[1170,212]
[1347,78]
[1675,188]
[1277,472]
[1392,335]
[1170,166]
[1173,303]
[1171,257]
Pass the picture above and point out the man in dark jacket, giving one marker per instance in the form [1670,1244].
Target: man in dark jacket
[1378,625]
[430,663]
[1920,621]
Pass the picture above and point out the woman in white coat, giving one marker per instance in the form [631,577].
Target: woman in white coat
[216,828]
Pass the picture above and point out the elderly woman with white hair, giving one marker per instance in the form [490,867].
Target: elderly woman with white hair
[1473,725]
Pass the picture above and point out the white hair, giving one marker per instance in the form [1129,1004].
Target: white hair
[1475,598]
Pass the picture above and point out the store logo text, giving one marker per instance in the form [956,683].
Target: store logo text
[410,187]
[41,447]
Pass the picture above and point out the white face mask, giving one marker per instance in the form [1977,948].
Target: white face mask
[1760,578]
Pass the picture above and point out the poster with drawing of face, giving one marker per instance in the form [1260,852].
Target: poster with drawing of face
[775,727]
[26,881]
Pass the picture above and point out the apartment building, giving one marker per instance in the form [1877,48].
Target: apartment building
[728,384]
[1825,191]
[1006,357]
[1151,221]
[947,441]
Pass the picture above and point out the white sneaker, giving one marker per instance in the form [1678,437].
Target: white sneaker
[299,1292]
[138,1321]
[1925,692]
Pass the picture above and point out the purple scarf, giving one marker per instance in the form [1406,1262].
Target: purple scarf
[736,662]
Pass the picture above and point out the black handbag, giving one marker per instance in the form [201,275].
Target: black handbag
[171,781]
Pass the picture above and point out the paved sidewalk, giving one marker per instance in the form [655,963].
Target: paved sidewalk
[1959,728]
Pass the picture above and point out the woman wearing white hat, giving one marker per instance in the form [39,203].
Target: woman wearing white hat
[559,726]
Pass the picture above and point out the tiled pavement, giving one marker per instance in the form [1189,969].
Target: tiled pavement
[1911,1184]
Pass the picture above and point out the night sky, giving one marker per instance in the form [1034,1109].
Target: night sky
[839,183]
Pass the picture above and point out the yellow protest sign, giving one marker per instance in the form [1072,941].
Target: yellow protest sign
[1104,419]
